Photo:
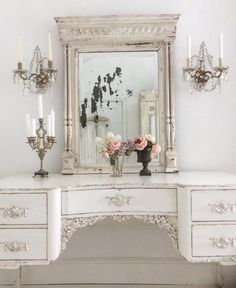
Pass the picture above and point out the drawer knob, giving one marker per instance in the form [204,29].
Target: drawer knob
[223,243]
[222,207]
[119,200]
[15,246]
[14,212]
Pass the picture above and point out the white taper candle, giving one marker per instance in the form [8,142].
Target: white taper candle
[33,127]
[49,127]
[53,122]
[40,106]
[189,46]
[19,49]
[221,47]
[27,121]
[49,46]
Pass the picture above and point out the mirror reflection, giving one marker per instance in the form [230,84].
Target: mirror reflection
[117,93]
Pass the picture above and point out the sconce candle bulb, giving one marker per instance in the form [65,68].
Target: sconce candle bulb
[221,46]
[49,47]
[19,48]
[189,48]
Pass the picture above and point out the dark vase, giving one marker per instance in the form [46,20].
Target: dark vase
[144,157]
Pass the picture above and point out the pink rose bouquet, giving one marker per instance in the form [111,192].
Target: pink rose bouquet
[147,142]
[140,142]
[145,146]
[114,149]
[112,146]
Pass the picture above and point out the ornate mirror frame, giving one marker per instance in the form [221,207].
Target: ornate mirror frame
[113,34]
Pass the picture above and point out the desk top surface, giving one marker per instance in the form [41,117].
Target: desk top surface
[127,180]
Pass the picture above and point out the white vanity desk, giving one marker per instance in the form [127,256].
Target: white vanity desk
[38,216]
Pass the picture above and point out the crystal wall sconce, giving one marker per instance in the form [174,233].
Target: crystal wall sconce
[200,72]
[41,73]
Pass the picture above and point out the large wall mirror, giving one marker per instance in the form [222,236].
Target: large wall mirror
[111,98]
[117,79]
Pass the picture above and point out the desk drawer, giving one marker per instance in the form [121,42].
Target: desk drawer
[214,240]
[214,205]
[23,208]
[119,200]
[23,244]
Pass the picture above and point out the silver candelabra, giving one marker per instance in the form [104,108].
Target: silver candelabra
[41,143]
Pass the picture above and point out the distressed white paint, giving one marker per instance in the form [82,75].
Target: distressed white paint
[137,33]
[32,237]
[95,193]
[151,199]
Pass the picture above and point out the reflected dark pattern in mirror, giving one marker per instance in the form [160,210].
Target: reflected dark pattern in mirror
[101,86]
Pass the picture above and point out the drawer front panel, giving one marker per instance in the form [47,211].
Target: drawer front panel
[119,200]
[213,240]
[23,244]
[214,205]
[23,208]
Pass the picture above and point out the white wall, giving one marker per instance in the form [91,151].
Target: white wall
[206,134]
[206,123]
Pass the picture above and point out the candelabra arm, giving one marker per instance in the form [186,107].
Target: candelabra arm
[32,142]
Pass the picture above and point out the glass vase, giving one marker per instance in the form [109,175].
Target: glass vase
[116,163]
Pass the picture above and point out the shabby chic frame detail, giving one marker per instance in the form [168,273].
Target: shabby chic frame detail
[117,34]
[71,225]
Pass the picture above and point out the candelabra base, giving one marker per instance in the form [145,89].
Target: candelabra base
[41,173]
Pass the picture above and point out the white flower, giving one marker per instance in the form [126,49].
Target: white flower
[118,137]
[150,138]
[98,140]
[110,135]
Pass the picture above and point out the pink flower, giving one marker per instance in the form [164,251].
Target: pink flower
[155,149]
[105,155]
[110,151]
[140,142]
[114,144]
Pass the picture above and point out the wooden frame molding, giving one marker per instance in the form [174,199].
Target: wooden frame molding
[118,33]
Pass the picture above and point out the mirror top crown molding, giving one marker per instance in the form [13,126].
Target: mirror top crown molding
[145,28]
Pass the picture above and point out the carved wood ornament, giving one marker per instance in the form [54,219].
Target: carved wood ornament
[70,226]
